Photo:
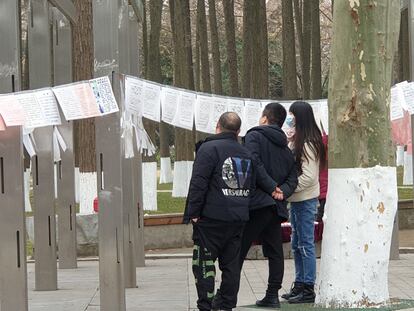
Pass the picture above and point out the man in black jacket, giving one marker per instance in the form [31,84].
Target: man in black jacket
[269,147]
[223,178]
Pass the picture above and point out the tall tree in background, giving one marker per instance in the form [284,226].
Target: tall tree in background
[83,62]
[316,74]
[303,29]
[260,52]
[228,9]
[202,33]
[145,40]
[290,90]
[248,25]
[362,181]
[215,48]
[197,64]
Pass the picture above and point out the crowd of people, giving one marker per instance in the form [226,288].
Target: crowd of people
[239,193]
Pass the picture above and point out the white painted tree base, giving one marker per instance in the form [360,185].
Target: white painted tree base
[87,192]
[182,176]
[408,169]
[359,217]
[400,156]
[77,185]
[166,174]
[27,180]
[149,186]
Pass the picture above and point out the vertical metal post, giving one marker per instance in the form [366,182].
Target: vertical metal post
[40,75]
[111,55]
[137,212]
[13,273]
[62,73]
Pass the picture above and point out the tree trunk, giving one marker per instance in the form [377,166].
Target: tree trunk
[248,23]
[145,40]
[289,51]
[197,69]
[83,62]
[404,48]
[202,27]
[355,250]
[228,9]
[316,75]
[215,48]
[306,52]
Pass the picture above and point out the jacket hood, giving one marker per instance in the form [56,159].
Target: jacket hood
[273,133]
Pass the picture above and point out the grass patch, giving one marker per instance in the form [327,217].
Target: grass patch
[167,204]
[405,193]
[164,186]
[400,175]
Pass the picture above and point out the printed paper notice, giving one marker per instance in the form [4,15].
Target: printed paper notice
[77,101]
[185,111]
[408,90]
[11,111]
[237,106]
[252,113]
[203,114]
[104,96]
[151,100]
[133,95]
[397,97]
[169,104]
[324,112]
[219,107]
[40,108]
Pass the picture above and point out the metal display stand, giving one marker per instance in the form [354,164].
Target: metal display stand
[138,211]
[13,269]
[62,67]
[40,73]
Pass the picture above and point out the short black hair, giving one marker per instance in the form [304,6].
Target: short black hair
[230,122]
[275,113]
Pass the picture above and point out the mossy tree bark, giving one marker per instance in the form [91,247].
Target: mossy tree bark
[363,48]
[204,54]
[316,74]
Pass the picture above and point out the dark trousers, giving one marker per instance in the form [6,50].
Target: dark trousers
[214,241]
[265,225]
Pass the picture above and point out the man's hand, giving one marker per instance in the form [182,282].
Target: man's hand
[278,194]
[194,220]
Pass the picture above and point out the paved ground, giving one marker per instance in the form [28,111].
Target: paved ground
[406,238]
[168,284]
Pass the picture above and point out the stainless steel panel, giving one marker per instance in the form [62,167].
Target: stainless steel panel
[111,222]
[62,58]
[10,46]
[140,242]
[40,75]
[13,273]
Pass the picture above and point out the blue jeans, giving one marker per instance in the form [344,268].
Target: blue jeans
[302,217]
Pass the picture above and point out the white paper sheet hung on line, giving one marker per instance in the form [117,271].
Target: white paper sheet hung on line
[397,103]
[203,114]
[151,101]
[408,90]
[104,96]
[133,95]
[11,111]
[252,113]
[40,108]
[219,107]
[184,117]
[77,101]
[169,104]
[324,114]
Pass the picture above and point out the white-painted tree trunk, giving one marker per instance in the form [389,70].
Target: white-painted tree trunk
[400,156]
[27,187]
[359,217]
[408,169]
[166,174]
[149,180]
[182,176]
[77,185]
[87,192]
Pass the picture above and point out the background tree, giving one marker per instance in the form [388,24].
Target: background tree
[248,25]
[363,183]
[228,9]
[203,36]
[289,51]
[215,47]
[316,75]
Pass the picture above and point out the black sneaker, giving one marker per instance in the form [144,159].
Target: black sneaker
[307,295]
[271,300]
[295,289]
